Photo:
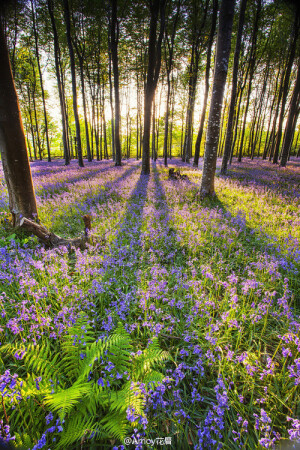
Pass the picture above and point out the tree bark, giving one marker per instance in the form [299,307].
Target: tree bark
[114,39]
[41,78]
[291,120]
[220,74]
[73,76]
[14,154]
[207,73]
[88,148]
[157,8]
[292,51]
[230,120]
[252,61]
[169,65]
[59,84]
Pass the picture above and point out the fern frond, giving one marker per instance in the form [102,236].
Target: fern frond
[79,429]
[150,356]
[117,346]
[153,377]
[116,425]
[37,358]
[64,400]
[73,343]
[129,396]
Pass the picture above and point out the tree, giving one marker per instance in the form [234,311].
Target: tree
[220,74]
[157,10]
[229,130]
[80,48]
[169,50]
[291,120]
[73,75]
[35,31]
[250,70]
[198,16]
[114,39]
[59,84]
[207,74]
[292,52]
[14,154]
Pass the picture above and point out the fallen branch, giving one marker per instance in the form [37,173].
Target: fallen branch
[53,240]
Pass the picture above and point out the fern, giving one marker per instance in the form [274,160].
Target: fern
[90,411]
[78,337]
[79,429]
[144,362]
[36,358]
[65,400]
[116,425]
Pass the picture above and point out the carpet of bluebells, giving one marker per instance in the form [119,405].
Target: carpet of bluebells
[216,281]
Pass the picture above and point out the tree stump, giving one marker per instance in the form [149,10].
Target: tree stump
[177,175]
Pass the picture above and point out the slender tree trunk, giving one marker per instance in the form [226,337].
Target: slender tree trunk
[153,130]
[230,119]
[267,139]
[172,121]
[292,51]
[37,127]
[13,149]
[251,73]
[59,84]
[88,148]
[169,66]
[207,73]
[296,145]
[220,74]
[31,124]
[111,107]
[41,78]
[291,120]
[167,121]
[73,76]
[115,63]
[157,8]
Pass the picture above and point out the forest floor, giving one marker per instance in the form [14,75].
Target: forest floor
[181,323]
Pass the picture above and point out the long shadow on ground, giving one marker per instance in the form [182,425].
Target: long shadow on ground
[73,211]
[118,286]
[50,188]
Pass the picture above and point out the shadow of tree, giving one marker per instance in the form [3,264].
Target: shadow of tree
[254,240]
[118,285]
[73,211]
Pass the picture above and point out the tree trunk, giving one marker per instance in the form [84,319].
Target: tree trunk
[157,7]
[291,120]
[73,76]
[220,74]
[251,74]
[115,63]
[167,121]
[292,51]
[169,66]
[37,125]
[153,131]
[59,84]
[88,148]
[207,73]
[41,79]
[230,119]
[14,154]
